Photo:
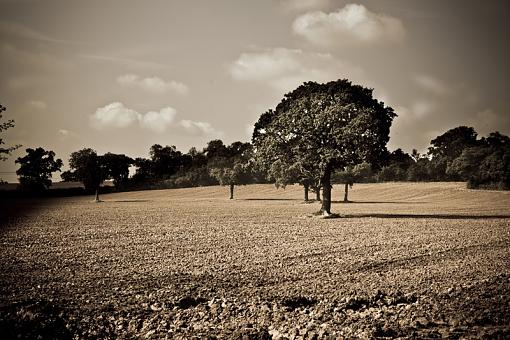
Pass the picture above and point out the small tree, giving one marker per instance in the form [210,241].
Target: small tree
[353,174]
[36,169]
[233,168]
[330,126]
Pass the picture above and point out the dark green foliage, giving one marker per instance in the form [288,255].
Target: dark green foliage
[166,161]
[396,166]
[86,167]
[446,147]
[36,168]
[486,165]
[116,168]
[323,127]
[231,165]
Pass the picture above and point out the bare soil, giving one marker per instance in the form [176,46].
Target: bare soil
[403,260]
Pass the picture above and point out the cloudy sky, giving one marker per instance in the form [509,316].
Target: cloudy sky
[122,75]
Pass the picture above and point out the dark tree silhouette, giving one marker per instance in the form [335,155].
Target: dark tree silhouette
[86,167]
[485,165]
[117,168]
[331,125]
[448,146]
[166,161]
[36,168]
[5,151]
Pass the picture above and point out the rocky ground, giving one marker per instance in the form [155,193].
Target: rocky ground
[428,261]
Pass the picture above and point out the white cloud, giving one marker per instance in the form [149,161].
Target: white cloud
[158,121]
[431,84]
[37,104]
[285,69]
[352,24]
[152,84]
[114,115]
[199,127]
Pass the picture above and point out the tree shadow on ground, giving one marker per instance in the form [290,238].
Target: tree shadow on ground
[428,216]
[129,201]
[381,202]
[272,199]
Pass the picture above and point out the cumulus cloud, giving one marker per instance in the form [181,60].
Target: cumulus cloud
[199,127]
[158,121]
[285,69]
[431,84]
[116,115]
[152,84]
[352,24]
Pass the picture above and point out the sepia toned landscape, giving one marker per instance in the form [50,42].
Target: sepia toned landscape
[404,260]
[270,169]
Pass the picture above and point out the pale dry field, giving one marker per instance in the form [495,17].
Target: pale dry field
[404,260]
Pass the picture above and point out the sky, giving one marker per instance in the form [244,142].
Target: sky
[121,75]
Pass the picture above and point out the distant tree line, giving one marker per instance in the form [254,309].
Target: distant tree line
[456,155]
[319,134]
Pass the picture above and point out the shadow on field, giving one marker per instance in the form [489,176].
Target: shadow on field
[129,201]
[271,199]
[14,211]
[380,202]
[436,216]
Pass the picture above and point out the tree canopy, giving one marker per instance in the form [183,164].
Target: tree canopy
[86,167]
[325,126]
[116,167]
[36,169]
[232,165]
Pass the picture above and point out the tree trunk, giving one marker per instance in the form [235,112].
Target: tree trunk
[346,192]
[231,191]
[318,194]
[326,190]
[306,192]
[97,195]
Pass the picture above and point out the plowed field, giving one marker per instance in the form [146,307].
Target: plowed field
[404,260]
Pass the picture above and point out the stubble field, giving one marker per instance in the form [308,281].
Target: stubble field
[404,260]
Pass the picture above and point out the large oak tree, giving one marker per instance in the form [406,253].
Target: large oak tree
[327,126]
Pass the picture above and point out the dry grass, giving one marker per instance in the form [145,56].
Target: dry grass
[138,250]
